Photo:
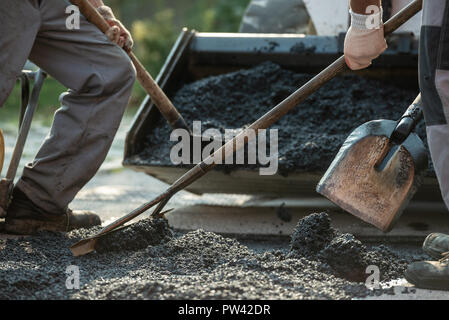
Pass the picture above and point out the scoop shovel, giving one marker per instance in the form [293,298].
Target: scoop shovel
[378,169]
[88,245]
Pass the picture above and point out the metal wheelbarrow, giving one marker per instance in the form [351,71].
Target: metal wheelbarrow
[28,107]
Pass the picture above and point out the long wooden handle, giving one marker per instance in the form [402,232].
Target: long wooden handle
[162,102]
[267,120]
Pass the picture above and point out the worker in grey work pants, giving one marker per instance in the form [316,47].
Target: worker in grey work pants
[100,78]
[363,43]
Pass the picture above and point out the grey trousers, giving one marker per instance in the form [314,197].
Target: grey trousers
[434,85]
[99,76]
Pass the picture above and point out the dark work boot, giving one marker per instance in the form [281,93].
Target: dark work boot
[436,244]
[25,218]
[429,274]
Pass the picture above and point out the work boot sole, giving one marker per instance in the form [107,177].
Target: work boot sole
[31,226]
[428,283]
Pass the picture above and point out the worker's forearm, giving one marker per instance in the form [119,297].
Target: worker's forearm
[359,6]
[97,3]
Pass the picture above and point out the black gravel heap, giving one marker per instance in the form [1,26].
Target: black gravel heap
[346,256]
[321,264]
[309,136]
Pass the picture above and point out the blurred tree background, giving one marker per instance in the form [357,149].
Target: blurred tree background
[155,25]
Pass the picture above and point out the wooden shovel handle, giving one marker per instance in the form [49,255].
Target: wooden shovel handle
[159,98]
[402,17]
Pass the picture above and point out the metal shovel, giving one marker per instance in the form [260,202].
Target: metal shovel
[378,169]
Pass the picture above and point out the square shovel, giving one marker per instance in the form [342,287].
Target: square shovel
[378,169]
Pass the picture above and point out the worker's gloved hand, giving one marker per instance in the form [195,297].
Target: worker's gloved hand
[117,33]
[364,40]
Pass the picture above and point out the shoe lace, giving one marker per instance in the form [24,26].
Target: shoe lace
[445,257]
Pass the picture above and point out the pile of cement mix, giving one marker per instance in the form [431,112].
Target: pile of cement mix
[137,236]
[309,136]
[321,264]
[346,256]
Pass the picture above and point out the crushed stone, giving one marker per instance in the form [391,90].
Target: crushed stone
[309,136]
[194,265]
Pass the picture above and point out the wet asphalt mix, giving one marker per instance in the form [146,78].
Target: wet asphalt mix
[310,135]
[148,260]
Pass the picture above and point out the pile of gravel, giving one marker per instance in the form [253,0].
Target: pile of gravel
[309,136]
[346,256]
[320,264]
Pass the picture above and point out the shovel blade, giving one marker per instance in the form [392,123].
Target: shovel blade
[356,184]
[83,247]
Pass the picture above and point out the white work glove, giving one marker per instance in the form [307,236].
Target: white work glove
[364,40]
[117,33]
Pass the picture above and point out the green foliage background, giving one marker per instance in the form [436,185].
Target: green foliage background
[155,25]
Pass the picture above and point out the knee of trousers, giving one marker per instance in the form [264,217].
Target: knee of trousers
[122,76]
[113,75]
